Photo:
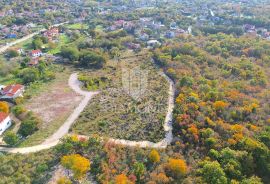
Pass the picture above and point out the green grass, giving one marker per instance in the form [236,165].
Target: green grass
[63,40]
[77,26]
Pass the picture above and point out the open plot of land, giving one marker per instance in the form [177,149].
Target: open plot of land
[119,114]
[77,26]
[53,104]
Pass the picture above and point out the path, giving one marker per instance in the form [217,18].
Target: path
[167,125]
[53,140]
[74,83]
[4,48]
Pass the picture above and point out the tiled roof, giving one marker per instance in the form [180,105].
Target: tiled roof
[11,90]
[36,51]
[3,116]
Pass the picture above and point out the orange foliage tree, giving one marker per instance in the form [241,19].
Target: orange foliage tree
[121,179]
[77,163]
[4,107]
[177,167]
[219,105]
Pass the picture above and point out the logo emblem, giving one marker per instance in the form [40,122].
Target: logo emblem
[134,82]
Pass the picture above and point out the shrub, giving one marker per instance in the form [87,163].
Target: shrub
[11,138]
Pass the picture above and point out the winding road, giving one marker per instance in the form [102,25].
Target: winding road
[74,83]
[53,140]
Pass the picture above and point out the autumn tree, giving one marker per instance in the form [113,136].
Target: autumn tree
[177,167]
[4,107]
[121,179]
[154,156]
[64,180]
[77,163]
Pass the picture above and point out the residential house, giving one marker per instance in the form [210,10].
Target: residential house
[51,33]
[153,43]
[5,122]
[10,36]
[143,36]
[169,34]
[36,53]
[11,92]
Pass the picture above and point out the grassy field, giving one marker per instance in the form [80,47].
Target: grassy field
[77,26]
[119,114]
[53,102]
[63,39]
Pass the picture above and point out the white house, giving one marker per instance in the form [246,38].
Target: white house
[36,53]
[5,122]
[12,91]
[153,43]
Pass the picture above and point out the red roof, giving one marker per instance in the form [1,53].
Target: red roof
[3,116]
[11,90]
[36,52]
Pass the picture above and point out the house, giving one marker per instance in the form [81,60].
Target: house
[153,43]
[2,87]
[170,34]
[144,36]
[51,33]
[10,36]
[36,53]
[20,51]
[173,25]
[11,92]
[5,122]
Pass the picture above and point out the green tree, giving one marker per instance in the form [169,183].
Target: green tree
[37,43]
[28,127]
[252,180]
[11,138]
[29,75]
[70,53]
[138,169]
[212,173]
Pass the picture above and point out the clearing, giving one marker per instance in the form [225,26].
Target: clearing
[53,104]
[117,114]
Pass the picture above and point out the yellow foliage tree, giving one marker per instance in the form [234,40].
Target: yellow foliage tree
[219,105]
[4,107]
[177,166]
[63,180]
[78,164]
[154,156]
[121,179]
[237,128]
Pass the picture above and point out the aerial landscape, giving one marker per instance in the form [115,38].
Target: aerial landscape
[135,92]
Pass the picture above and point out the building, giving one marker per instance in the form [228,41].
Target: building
[10,36]
[36,53]
[11,92]
[51,33]
[153,43]
[5,122]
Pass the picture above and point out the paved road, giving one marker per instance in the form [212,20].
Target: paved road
[53,140]
[4,48]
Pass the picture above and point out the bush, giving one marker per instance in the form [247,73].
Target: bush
[28,127]
[11,138]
